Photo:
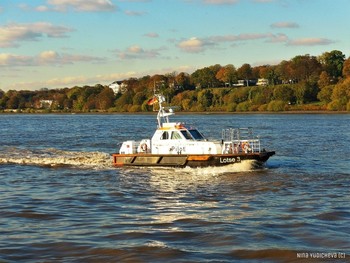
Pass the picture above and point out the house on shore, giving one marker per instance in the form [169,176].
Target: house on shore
[118,86]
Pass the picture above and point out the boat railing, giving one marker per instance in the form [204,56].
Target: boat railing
[240,140]
[237,134]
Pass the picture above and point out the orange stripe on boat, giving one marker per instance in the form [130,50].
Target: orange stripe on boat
[198,158]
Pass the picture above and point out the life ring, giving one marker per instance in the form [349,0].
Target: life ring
[144,147]
[245,147]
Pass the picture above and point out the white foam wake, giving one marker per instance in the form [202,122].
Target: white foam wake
[244,166]
[53,158]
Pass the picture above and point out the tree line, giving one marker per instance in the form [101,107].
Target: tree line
[304,82]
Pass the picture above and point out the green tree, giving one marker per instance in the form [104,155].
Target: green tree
[305,92]
[239,95]
[123,102]
[261,95]
[205,98]
[325,94]
[332,62]
[284,93]
[204,78]
[272,75]
[276,105]
[139,98]
[243,106]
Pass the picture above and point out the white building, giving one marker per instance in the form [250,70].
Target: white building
[262,82]
[46,104]
[118,86]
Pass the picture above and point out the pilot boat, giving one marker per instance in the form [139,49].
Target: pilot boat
[175,144]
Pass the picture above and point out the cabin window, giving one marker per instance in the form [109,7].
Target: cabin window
[186,135]
[196,135]
[165,136]
[175,136]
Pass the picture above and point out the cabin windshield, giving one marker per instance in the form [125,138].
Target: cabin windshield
[186,134]
[196,135]
[175,136]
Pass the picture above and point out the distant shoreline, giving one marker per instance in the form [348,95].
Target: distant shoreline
[180,113]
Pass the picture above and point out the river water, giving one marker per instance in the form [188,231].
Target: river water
[62,201]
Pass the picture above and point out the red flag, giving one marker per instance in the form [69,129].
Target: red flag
[152,101]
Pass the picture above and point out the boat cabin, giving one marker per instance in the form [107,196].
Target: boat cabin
[175,138]
[172,138]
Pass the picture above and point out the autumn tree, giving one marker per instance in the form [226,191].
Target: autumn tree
[324,80]
[11,99]
[245,72]
[105,99]
[341,95]
[158,82]
[285,72]
[305,67]
[346,68]
[261,71]
[227,74]
[135,84]
[183,81]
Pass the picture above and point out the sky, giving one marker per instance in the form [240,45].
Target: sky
[65,43]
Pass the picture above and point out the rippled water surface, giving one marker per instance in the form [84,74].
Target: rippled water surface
[62,201]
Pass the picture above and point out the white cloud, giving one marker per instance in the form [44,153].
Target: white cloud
[136,52]
[42,8]
[192,45]
[7,60]
[73,5]
[278,38]
[196,45]
[284,25]
[48,57]
[151,35]
[310,42]
[12,34]
[82,5]
[239,37]
[134,13]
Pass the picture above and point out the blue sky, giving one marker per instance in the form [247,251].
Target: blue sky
[63,43]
